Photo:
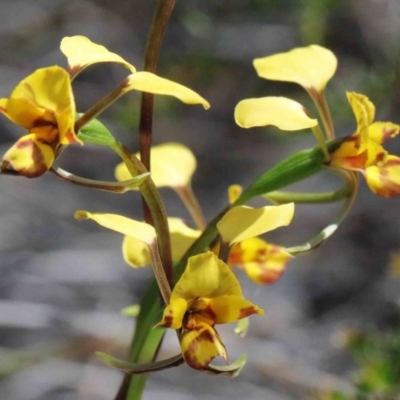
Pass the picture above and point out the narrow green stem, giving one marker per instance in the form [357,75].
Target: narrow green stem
[321,141]
[159,272]
[156,206]
[132,389]
[352,181]
[189,200]
[133,368]
[100,106]
[323,110]
[114,187]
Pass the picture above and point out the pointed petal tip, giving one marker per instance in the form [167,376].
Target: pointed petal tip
[80,215]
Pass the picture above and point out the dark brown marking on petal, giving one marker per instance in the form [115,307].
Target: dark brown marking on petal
[388,133]
[74,70]
[269,275]
[194,347]
[356,162]
[246,311]
[190,323]
[70,135]
[392,162]
[236,254]
[208,313]
[22,144]
[38,167]
[167,320]
[41,122]
[380,157]
[260,256]
[388,188]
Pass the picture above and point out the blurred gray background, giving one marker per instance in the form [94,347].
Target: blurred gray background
[63,282]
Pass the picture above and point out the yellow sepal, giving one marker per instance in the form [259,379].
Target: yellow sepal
[284,113]
[138,230]
[81,52]
[172,164]
[311,67]
[244,222]
[151,83]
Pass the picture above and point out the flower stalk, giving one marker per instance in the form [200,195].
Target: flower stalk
[113,187]
[132,388]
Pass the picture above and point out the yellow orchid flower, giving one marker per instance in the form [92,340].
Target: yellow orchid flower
[44,104]
[262,262]
[81,52]
[363,150]
[206,294]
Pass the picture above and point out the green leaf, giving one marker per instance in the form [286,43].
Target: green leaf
[294,169]
[134,368]
[95,132]
[146,340]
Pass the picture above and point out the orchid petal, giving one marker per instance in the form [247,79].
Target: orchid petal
[379,132]
[201,346]
[82,52]
[384,180]
[173,314]
[234,192]
[311,67]
[136,253]
[348,155]
[206,276]
[284,113]
[44,97]
[172,164]
[263,262]
[29,156]
[151,83]
[243,222]
[364,111]
[182,237]
[226,309]
[138,230]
